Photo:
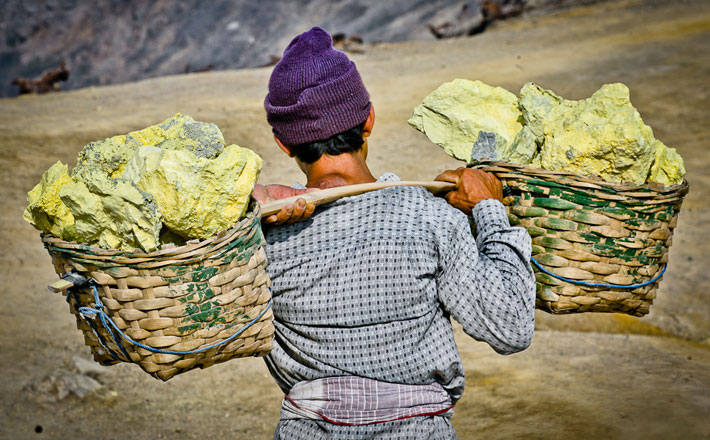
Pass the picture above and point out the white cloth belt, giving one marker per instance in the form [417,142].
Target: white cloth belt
[352,400]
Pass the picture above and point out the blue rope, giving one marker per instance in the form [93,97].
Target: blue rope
[105,318]
[584,283]
[97,310]
[94,330]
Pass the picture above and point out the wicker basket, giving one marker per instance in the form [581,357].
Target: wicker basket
[176,309]
[597,246]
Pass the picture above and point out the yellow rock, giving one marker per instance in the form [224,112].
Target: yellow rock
[45,209]
[180,132]
[455,114]
[109,155]
[524,148]
[599,136]
[112,213]
[198,197]
[668,168]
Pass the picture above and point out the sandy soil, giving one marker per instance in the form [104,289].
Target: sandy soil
[585,376]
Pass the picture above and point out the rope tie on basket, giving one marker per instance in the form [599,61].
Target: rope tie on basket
[584,283]
[94,330]
[90,313]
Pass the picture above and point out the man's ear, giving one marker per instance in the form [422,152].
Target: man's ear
[369,122]
[284,148]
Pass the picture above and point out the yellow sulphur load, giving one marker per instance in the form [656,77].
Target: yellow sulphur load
[601,136]
[169,182]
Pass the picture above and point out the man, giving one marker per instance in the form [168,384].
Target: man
[364,287]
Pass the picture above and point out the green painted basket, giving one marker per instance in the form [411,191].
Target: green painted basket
[597,246]
[174,309]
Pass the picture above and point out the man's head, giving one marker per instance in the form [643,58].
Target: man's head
[317,103]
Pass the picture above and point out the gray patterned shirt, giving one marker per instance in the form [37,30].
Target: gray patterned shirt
[368,284]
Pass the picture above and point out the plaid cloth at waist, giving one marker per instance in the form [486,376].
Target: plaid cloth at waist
[355,401]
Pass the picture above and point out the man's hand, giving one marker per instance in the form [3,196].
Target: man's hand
[472,186]
[300,210]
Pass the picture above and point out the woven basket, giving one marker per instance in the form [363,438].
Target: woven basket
[213,293]
[589,231]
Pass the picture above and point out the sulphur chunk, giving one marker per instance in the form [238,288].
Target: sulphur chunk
[198,197]
[112,213]
[668,168]
[180,132]
[463,113]
[45,210]
[602,135]
[524,148]
[109,155]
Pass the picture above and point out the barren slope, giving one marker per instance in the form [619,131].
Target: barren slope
[650,384]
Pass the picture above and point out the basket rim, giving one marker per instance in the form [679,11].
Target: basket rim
[252,216]
[680,189]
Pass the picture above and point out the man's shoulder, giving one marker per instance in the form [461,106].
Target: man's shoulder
[414,194]
[410,205]
[395,205]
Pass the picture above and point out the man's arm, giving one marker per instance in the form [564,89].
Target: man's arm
[300,210]
[486,283]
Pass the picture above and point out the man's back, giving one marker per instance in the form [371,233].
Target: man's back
[365,288]
[355,291]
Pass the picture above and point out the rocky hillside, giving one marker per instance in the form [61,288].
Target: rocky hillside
[115,41]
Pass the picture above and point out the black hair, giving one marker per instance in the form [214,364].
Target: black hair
[347,141]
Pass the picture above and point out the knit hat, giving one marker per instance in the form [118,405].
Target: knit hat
[315,91]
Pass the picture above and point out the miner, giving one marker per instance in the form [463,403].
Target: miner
[364,287]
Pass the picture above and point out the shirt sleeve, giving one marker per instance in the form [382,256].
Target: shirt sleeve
[486,283]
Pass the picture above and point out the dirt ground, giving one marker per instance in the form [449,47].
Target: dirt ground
[586,376]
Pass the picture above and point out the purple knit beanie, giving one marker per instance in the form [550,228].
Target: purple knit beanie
[315,91]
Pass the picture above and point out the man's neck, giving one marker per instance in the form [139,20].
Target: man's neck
[343,169]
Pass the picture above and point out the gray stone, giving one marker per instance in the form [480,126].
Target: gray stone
[485,147]
[88,367]
[75,383]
